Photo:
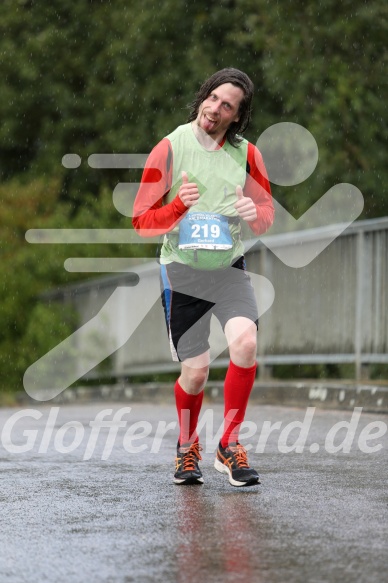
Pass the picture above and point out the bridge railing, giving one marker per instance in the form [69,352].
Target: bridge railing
[333,310]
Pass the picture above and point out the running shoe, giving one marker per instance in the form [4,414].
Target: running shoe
[233,460]
[186,464]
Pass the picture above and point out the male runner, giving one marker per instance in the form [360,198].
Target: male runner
[199,183]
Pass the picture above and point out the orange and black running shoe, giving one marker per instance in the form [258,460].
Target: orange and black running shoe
[186,464]
[233,460]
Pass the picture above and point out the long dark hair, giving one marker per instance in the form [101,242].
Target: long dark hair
[239,79]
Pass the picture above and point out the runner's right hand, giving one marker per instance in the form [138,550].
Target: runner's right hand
[188,192]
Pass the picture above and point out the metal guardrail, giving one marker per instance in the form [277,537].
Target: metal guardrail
[333,310]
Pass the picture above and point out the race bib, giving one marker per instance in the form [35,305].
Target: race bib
[199,230]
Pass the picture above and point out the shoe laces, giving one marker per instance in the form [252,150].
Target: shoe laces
[190,457]
[240,455]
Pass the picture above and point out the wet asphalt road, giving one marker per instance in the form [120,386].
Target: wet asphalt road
[67,515]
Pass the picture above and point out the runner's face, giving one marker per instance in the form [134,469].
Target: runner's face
[219,110]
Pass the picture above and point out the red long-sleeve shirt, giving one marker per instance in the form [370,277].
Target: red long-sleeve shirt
[152,217]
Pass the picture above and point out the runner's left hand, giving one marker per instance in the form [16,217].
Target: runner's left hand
[245,206]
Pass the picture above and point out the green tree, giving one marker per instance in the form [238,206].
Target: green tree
[325,64]
[100,76]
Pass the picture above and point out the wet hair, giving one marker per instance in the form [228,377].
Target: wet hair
[238,79]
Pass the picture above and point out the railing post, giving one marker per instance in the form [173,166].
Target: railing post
[360,286]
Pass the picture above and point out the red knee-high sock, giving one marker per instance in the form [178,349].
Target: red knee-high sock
[237,388]
[188,408]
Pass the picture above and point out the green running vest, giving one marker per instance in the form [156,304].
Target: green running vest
[216,173]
